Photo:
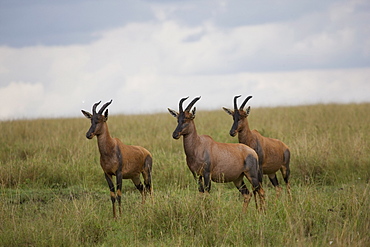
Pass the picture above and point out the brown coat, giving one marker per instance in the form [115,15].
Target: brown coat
[209,160]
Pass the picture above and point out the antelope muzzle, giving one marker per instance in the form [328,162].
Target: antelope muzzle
[91,132]
[234,129]
[178,131]
[233,132]
[90,135]
[176,135]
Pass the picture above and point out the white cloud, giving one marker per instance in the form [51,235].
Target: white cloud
[20,99]
[149,66]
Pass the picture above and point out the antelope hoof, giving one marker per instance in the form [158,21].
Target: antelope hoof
[278,191]
[247,199]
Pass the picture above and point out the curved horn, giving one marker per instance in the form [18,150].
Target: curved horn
[94,107]
[181,102]
[235,105]
[245,102]
[192,103]
[104,106]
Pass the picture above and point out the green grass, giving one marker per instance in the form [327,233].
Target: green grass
[53,192]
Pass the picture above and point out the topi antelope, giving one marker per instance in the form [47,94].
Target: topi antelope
[273,154]
[118,159]
[214,161]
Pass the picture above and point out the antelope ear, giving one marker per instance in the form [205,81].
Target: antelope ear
[173,113]
[193,113]
[228,111]
[86,114]
[248,110]
[106,114]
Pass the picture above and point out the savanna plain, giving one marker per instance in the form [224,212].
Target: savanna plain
[53,191]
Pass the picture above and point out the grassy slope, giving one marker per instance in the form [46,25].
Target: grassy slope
[53,191]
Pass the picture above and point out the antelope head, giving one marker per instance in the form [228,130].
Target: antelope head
[239,115]
[183,117]
[97,119]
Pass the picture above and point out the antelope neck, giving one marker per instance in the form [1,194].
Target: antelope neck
[106,143]
[245,134]
[190,140]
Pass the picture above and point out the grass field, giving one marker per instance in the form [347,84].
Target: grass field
[53,191]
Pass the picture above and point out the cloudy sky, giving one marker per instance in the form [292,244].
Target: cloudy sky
[58,57]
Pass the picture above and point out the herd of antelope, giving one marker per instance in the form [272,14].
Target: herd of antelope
[207,159]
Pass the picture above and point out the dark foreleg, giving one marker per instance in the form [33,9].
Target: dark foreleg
[240,185]
[112,193]
[199,180]
[207,181]
[275,183]
[207,173]
[273,179]
[147,174]
[119,190]
[253,175]
[119,179]
[285,169]
[257,189]
[200,184]
[261,159]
